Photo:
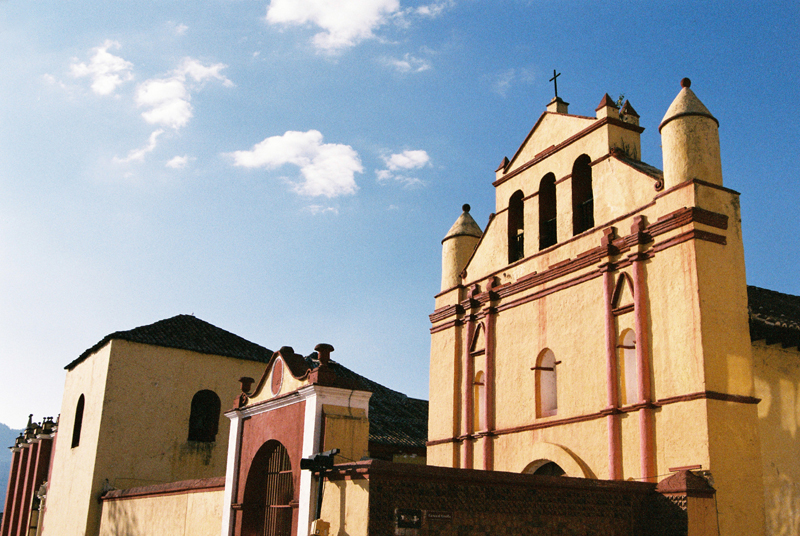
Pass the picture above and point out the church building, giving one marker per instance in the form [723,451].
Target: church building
[598,366]
[598,327]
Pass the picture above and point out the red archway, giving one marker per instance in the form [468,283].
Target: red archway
[268,492]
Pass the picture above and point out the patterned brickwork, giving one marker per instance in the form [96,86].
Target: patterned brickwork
[435,501]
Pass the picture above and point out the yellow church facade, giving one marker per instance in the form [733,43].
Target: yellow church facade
[598,327]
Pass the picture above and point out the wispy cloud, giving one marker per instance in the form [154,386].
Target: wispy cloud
[434,9]
[503,81]
[408,64]
[178,28]
[319,209]
[106,70]
[139,154]
[345,23]
[405,17]
[178,162]
[328,169]
[398,164]
[168,98]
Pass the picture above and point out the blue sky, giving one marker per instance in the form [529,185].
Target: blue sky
[286,169]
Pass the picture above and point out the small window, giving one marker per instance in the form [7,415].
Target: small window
[78,424]
[204,417]
[582,196]
[516,227]
[546,384]
[547,212]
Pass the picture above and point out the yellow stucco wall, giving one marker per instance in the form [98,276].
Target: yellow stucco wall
[777,384]
[143,394]
[162,382]
[346,429]
[345,505]
[183,514]
[74,490]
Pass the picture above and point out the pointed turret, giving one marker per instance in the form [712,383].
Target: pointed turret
[690,140]
[457,246]
[607,108]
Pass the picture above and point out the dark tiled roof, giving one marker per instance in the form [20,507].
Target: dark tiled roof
[394,418]
[774,317]
[185,332]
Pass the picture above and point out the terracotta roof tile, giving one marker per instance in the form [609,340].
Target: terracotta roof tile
[774,317]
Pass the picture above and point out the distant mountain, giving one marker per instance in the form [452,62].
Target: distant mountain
[7,437]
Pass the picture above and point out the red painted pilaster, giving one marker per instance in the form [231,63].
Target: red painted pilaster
[51,457]
[488,402]
[16,507]
[10,491]
[27,489]
[467,424]
[41,466]
[646,432]
[613,417]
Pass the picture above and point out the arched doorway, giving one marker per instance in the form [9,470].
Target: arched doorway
[266,509]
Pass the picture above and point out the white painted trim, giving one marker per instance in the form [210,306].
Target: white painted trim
[315,396]
[309,448]
[231,471]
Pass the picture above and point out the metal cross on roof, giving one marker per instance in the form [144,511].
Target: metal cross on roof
[554,81]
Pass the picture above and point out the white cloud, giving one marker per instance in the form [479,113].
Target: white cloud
[178,162]
[344,22]
[408,64]
[139,154]
[168,99]
[201,73]
[106,70]
[327,168]
[401,162]
[407,160]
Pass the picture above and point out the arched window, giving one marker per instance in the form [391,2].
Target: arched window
[547,211]
[546,384]
[550,469]
[516,227]
[268,493]
[629,377]
[78,424]
[582,196]
[544,468]
[204,417]
[478,402]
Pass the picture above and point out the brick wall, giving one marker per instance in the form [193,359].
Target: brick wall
[410,500]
